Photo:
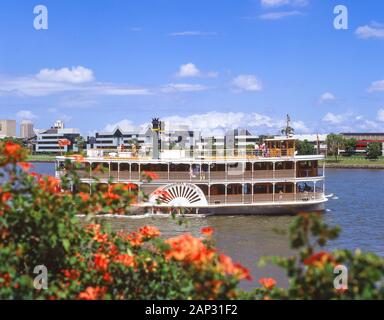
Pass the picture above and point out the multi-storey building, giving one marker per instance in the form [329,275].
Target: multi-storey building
[26,129]
[7,128]
[47,141]
[155,138]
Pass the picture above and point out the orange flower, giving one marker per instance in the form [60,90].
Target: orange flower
[84,196]
[130,186]
[12,150]
[208,231]
[25,165]
[71,274]
[49,184]
[101,262]
[125,259]
[241,272]
[6,196]
[93,293]
[319,259]
[149,232]
[189,250]
[6,279]
[268,283]
[237,270]
[150,175]
[136,239]
[101,237]
[111,196]
[107,277]
[78,158]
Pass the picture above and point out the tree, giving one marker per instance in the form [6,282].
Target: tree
[334,143]
[350,146]
[305,147]
[373,150]
[81,143]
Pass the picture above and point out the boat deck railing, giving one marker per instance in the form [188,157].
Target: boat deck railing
[164,176]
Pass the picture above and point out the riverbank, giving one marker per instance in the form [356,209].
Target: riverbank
[354,163]
[41,158]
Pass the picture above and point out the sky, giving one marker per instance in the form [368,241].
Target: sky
[212,65]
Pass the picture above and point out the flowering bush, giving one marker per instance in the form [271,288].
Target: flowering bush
[39,226]
[312,272]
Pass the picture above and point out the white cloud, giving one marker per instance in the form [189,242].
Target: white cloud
[26,115]
[74,75]
[370,31]
[376,86]
[115,90]
[47,83]
[182,87]
[50,81]
[380,115]
[300,127]
[217,123]
[334,118]
[188,70]
[247,82]
[125,125]
[327,96]
[192,33]
[279,3]
[279,15]
[347,122]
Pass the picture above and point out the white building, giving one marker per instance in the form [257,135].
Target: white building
[47,141]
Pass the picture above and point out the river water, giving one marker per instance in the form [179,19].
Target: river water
[357,205]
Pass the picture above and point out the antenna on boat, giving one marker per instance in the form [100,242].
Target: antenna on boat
[288,130]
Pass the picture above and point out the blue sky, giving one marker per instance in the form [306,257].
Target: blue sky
[212,64]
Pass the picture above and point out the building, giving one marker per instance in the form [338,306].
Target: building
[26,129]
[233,142]
[110,141]
[364,139]
[47,141]
[150,141]
[7,128]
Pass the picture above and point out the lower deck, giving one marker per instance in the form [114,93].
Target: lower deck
[234,193]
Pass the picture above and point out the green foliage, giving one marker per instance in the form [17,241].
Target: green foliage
[39,226]
[374,150]
[311,272]
[350,146]
[335,142]
[304,147]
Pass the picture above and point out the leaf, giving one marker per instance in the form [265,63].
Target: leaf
[66,244]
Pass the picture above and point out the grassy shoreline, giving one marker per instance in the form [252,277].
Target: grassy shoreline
[41,158]
[353,163]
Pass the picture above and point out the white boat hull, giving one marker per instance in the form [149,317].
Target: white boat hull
[291,208]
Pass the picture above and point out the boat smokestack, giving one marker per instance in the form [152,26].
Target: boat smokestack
[156,127]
